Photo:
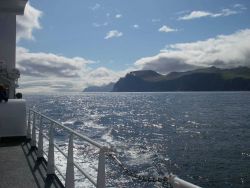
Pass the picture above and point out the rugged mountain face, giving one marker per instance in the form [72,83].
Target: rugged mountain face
[103,88]
[207,79]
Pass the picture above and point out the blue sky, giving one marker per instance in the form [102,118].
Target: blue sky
[81,43]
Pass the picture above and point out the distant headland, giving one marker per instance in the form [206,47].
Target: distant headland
[206,79]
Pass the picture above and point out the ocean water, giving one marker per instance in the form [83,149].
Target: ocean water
[203,137]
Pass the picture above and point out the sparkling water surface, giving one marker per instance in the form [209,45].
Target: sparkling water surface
[203,137]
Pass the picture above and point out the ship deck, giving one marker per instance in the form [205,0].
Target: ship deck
[19,166]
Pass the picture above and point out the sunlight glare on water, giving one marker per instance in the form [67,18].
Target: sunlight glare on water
[201,137]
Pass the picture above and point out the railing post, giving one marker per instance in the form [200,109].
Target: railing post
[29,126]
[179,183]
[101,169]
[70,182]
[40,139]
[51,160]
[33,140]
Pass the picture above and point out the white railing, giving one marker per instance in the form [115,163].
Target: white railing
[69,179]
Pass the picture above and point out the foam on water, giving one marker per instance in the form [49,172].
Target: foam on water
[201,137]
[108,138]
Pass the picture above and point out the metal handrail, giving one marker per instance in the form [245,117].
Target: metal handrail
[59,171]
[70,130]
[99,183]
[103,151]
[75,164]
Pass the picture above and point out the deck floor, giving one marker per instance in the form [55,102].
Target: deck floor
[20,169]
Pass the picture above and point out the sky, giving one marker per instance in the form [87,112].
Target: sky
[65,46]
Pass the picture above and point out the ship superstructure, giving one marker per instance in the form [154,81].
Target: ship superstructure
[8,72]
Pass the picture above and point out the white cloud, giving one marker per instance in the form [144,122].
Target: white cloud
[28,22]
[47,85]
[102,76]
[201,14]
[194,15]
[118,15]
[113,34]
[222,51]
[166,29]
[95,7]
[136,26]
[100,24]
[49,65]
[96,77]
[240,6]
[225,12]
[48,72]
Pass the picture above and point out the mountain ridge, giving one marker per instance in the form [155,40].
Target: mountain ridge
[205,79]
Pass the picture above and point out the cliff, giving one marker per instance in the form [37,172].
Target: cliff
[207,79]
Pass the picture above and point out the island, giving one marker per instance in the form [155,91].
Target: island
[206,79]
[102,88]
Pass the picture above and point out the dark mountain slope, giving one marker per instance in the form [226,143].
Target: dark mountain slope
[207,79]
